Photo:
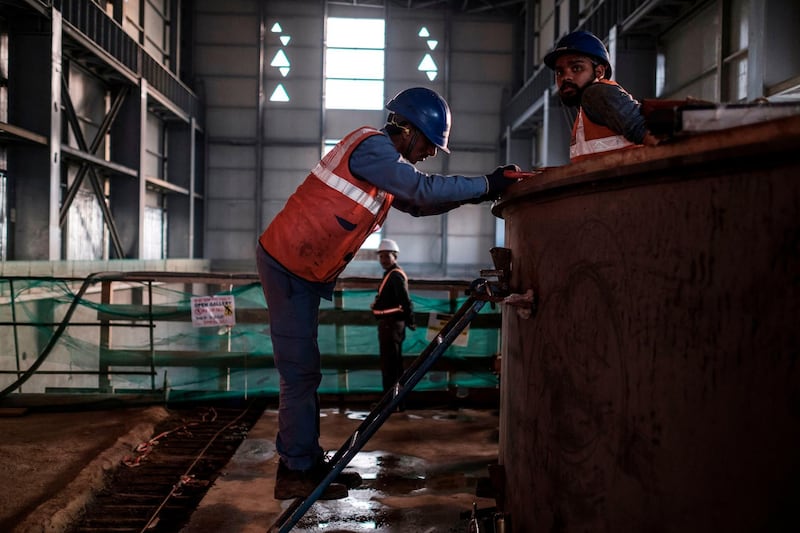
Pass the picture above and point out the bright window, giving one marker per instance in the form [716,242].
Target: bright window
[373,241]
[155,229]
[354,63]
[85,236]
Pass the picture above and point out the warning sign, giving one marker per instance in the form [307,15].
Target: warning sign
[436,321]
[213,311]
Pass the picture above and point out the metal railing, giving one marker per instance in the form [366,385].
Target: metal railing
[122,332]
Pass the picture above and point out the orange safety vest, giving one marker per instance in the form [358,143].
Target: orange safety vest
[330,215]
[379,313]
[589,138]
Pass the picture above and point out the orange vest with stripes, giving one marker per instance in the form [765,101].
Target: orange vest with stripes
[379,313]
[589,138]
[327,219]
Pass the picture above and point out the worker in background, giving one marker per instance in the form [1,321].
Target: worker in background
[609,118]
[395,312]
[344,199]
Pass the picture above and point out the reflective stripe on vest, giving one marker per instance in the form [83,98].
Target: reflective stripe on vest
[327,219]
[399,308]
[381,312]
[386,278]
[338,183]
[587,142]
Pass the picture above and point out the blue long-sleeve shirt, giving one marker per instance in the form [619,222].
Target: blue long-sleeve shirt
[613,107]
[417,193]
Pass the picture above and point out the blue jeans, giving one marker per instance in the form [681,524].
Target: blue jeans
[294,319]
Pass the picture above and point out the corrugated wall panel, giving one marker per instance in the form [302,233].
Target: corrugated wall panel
[292,158]
[479,71]
[232,214]
[227,65]
[228,60]
[228,183]
[283,183]
[292,125]
[224,157]
[339,122]
[231,122]
[469,163]
[231,245]
[237,92]
[226,29]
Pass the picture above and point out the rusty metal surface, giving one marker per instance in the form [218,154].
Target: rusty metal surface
[658,386]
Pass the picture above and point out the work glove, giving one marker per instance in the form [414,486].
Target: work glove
[498,183]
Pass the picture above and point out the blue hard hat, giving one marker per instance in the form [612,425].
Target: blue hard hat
[580,42]
[426,110]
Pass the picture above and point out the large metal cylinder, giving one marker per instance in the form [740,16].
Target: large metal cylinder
[657,386]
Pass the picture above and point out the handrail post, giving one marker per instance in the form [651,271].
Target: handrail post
[103,379]
[152,335]
[342,376]
[14,320]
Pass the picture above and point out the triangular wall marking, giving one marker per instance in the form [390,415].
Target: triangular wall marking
[279,94]
[427,64]
[280,60]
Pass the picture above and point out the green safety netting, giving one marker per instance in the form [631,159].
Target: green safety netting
[61,335]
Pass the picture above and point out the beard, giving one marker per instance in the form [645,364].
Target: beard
[573,96]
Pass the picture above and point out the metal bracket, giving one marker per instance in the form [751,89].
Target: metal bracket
[500,291]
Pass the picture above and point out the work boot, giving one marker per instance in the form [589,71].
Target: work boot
[290,484]
[350,480]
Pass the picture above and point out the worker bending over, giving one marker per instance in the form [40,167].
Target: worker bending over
[344,199]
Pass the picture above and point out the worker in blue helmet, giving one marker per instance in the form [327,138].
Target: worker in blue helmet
[426,111]
[609,118]
[344,199]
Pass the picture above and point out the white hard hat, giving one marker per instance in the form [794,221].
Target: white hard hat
[388,245]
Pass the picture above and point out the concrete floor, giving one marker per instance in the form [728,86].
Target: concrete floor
[51,461]
[420,474]
[420,470]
